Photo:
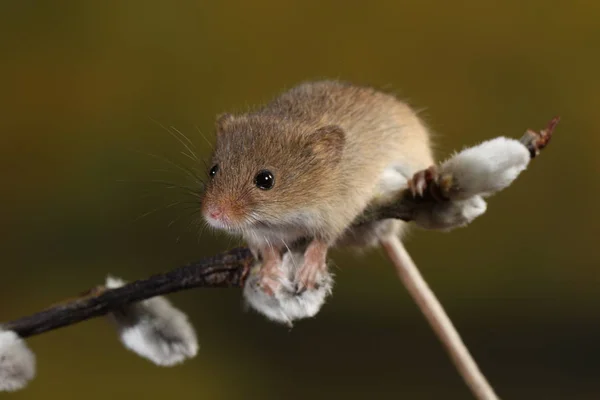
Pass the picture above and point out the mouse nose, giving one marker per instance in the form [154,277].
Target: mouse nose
[215,212]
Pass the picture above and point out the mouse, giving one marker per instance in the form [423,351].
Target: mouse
[304,165]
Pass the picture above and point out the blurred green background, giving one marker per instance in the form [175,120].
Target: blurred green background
[82,81]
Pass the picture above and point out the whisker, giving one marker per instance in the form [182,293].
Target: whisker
[182,168]
[188,156]
[291,255]
[156,210]
[269,243]
[188,148]
[203,137]
[186,215]
[174,220]
[150,195]
[196,223]
[206,167]
[191,169]
[185,137]
[194,192]
[174,136]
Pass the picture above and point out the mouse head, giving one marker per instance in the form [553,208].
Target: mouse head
[268,171]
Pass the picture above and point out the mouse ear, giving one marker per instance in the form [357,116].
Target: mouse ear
[222,121]
[327,143]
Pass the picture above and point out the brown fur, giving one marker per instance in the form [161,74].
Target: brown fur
[327,144]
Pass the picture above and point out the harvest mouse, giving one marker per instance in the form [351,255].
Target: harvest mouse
[306,164]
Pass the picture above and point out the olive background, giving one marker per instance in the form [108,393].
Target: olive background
[86,86]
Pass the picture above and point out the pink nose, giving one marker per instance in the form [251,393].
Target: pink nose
[215,212]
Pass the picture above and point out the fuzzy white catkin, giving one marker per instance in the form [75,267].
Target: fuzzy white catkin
[17,362]
[155,329]
[487,168]
[287,306]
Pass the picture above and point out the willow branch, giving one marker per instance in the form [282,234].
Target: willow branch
[228,269]
[222,270]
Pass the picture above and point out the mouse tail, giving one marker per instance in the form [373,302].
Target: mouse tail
[438,319]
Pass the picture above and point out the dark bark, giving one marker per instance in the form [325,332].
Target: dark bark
[223,270]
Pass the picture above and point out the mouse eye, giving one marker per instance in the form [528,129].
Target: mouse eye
[264,180]
[213,170]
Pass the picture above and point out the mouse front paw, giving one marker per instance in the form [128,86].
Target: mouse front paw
[269,284]
[286,304]
[308,274]
[270,278]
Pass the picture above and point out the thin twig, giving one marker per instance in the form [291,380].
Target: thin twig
[227,269]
